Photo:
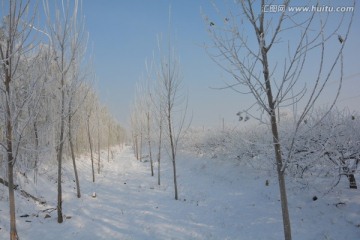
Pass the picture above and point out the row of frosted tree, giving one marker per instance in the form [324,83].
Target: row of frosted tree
[159,112]
[49,110]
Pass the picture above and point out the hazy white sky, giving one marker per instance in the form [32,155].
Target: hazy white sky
[123,34]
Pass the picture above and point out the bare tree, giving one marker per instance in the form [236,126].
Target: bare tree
[89,108]
[72,151]
[148,125]
[145,105]
[168,107]
[79,74]
[90,145]
[158,113]
[138,119]
[16,41]
[160,122]
[66,43]
[112,134]
[270,64]
[141,136]
[76,101]
[174,103]
[135,133]
[334,143]
[108,139]
[98,137]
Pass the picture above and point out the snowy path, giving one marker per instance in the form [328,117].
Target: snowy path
[124,208]
[219,199]
[130,205]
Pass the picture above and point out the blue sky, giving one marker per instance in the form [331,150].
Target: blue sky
[123,35]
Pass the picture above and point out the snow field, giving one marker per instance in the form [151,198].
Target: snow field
[218,199]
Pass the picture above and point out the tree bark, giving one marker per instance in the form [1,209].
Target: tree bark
[276,142]
[13,231]
[350,173]
[73,155]
[352,181]
[10,156]
[59,153]
[98,133]
[36,151]
[91,150]
[149,143]
[173,155]
[159,151]
[108,149]
[141,144]
[135,147]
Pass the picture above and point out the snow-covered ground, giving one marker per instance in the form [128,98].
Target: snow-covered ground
[218,199]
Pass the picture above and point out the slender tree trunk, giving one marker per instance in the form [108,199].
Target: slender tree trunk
[108,152]
[159,152]
[277,147]
[36,141]
[173,155]
[281,179]
[13,231]
[59,153]
[36,151]
[98,136]
[73,155]
[10,162]
[91,150]
[149,143]
[77,146]
[136,146]
[141,144]
[59,188]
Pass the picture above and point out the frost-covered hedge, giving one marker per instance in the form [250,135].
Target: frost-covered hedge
[324,149]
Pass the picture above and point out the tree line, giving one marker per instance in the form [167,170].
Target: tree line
[49,109]
[159,114]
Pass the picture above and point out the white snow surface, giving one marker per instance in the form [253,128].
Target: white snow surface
[218,199]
